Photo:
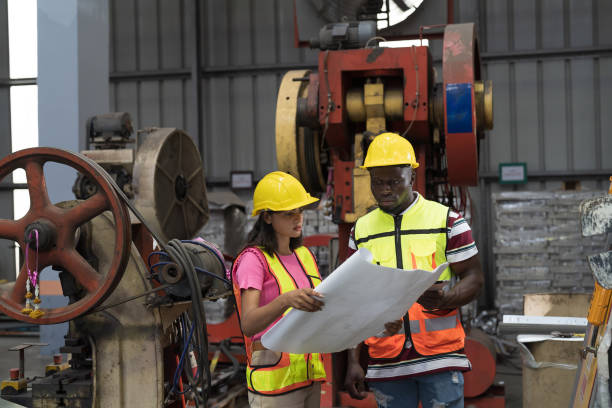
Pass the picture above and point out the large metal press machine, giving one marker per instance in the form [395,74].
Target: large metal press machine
[326,118]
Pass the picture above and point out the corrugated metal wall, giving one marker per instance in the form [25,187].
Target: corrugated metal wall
[551,66]
[550,62]
[246,48]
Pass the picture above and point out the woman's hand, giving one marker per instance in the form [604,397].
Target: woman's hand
[303,299]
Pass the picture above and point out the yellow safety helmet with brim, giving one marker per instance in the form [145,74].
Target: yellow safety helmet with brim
[390,149]
[279,191]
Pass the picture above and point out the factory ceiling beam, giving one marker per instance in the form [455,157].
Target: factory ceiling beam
[546,53]
[282,68]
[554,174]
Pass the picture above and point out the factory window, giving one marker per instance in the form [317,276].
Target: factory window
[405,43]
[399,10]
[23,62]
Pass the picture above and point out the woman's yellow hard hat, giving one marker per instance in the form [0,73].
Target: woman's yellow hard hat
[390,149]
[279,191]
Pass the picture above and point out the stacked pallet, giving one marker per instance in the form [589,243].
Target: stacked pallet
[539,247]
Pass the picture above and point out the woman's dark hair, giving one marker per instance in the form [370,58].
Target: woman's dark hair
[262,235]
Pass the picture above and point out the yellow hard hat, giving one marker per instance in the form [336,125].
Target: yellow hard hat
[279,191]
[390,149]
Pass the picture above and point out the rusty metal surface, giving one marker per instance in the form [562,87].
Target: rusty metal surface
[596,216]
[111,156]
[339,70]
[601,266]
[286,115]
[298,147]
[63,224]
[374,101]
[126,339]
[595,219]
[460,65]
[169,184]
[483,93]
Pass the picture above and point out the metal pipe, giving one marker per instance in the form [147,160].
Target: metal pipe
[554,174]
[196,77]
[5,82]
[546,53]
[281,68]
[13,186]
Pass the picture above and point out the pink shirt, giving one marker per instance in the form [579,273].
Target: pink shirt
[252,273]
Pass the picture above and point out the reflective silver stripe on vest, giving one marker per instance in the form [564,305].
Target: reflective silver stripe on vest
[414,326]
[441,323]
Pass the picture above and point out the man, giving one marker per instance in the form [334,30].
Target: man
[421,357]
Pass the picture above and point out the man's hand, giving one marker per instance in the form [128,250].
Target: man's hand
[303,299]
[434,297]
[354,381]
[392,328]
[466,290]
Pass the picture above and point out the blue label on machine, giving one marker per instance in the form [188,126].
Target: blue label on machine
[459,108]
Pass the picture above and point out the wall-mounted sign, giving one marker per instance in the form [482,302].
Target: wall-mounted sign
[241,179]
[512,173]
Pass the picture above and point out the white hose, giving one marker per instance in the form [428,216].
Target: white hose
[530,361]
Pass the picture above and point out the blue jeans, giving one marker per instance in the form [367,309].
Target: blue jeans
[442,390]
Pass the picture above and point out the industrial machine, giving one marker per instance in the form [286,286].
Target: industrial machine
[325,120]
[137,333]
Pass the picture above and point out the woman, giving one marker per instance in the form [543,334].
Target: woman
[271,275]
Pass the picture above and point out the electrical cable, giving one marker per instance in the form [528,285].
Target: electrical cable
[213,275]
[330,102]
[417,100]
[181,360]
[367,44]
[179,254]
[224,347]
[122,301]
[154,253]
[158,264]
[211,249]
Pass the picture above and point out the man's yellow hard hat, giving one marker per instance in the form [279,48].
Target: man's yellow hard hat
[279,191]
[390,149]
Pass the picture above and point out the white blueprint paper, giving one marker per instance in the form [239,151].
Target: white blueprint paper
[360,298]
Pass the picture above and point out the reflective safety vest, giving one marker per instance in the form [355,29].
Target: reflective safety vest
[415,239]
[290,371]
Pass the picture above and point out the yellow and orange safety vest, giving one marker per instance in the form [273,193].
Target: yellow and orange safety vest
[415,239]
[292,371]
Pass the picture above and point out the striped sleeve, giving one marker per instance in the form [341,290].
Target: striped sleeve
[460,245]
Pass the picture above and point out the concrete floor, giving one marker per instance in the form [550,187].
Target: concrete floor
[512,378]
[507,371]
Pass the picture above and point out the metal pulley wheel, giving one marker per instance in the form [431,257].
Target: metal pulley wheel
[57,229]
[468,103]
[298,148]
[169,183]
